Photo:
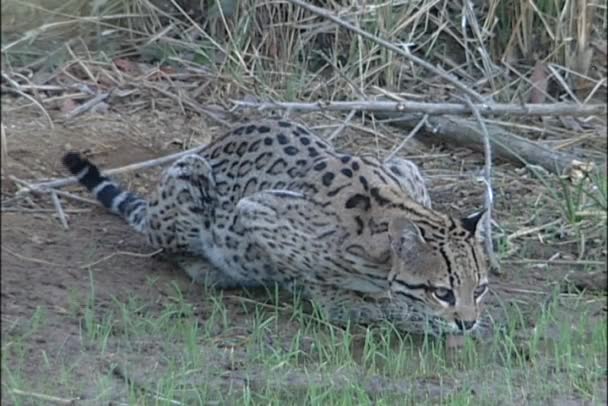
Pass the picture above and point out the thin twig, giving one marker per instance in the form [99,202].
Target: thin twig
[410,135]
[39,210]
[28,187]
[29,259]
[341,127]
[3,145]
[545,109]
[33,100]
[531,230]
[550,261]
[46,398]
[56,183]
[193,105]
[60,213]
[383,43]
[126,253]
[488,196]
[83,108]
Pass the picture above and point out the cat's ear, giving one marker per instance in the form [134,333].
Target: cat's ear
[406,238]
[474,224]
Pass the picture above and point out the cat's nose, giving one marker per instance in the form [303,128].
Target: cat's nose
[465,325]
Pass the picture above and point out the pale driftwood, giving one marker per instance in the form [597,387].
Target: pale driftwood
[404,52]
[488,195]
[545,109]
[505,145]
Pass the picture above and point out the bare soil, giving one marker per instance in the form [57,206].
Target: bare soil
[47,267]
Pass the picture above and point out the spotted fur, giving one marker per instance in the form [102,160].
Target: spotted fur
[270,202]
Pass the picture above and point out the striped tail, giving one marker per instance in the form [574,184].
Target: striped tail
[126,204]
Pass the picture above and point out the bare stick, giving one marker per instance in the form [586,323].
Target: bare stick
[127,253]
[192,104]
[3,145]
[488,195]
[83,108]
[139,165]
[60,213]
[406,139]
[28,210]
[46,398]
[506,145]
[338,130]
[383,43]
[33,100]
[29,187]
[545,109]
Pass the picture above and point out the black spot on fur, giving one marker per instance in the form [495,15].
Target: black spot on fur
[355,165]
[229,148]
[262,159]
[284,124]
[312,152]
[282,139]
[242,148]
[277,167]
[291,150]
[360,225]
[294,172]
[347,172]
[358,201]
[219,164]
[263,129]
[364,182]
[396,170]
[320,166]
[216,152]
[327,178]
[321,145]
[305,140]
[470,223]
[381,200]
[250,129]
[345,158]
[239,131]
[254,145]
[337,190]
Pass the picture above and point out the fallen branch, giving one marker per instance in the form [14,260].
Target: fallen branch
[545,109]
[506,145]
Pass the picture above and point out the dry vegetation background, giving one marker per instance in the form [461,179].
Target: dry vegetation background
[133,80]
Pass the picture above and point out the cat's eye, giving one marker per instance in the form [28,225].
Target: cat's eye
[480,290]
[445,295]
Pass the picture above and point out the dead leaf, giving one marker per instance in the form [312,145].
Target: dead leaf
[125,65]
[539,81]
[69,105]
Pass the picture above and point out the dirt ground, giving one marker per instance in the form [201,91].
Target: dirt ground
[45,266]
